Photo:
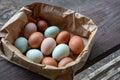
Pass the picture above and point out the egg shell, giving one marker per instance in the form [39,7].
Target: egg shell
[60,51]
[29,29]
[35,39]
[35,55]
[76,44]
[48,45]
[22,44]
[49,61]
[64,61]
[51,31]
[63,37]
[42,25]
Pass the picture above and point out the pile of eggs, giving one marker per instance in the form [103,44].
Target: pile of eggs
[48,45]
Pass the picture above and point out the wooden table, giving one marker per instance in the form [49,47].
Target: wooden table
[106,15]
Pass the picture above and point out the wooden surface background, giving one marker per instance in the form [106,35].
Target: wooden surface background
[105,14]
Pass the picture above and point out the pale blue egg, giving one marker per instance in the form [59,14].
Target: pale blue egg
[61,51]
[35,55]
[22,44]
[51,31]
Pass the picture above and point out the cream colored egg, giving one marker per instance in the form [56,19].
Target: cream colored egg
[48,45]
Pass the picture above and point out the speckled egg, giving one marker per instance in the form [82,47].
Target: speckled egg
[64,61]
[60,51]
[29,29]
[63,37]
[35,55]
[76,44]
[51,31]
[35,39]
[48,45]
[22,44]
[49,61]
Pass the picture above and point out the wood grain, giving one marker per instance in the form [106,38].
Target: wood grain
[10,71]
[105,14]
[104,69]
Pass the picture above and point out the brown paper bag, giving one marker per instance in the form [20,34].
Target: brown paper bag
[66,19]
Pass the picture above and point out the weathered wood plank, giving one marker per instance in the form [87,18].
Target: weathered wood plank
[1,58]
[96,74]
[105,13]
[109,76]
[10,71]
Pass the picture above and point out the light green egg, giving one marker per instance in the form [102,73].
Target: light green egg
[51,31]
[22,44]
[61,51]
[35,55]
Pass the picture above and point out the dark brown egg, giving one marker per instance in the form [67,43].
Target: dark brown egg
[42,25]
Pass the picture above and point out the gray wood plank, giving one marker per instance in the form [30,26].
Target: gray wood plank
[104,69]
[105,13]
[1,58]
[10,71]
[109,76]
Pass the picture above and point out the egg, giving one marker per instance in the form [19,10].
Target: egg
[60,51]
[42,25]
[64,61]
[35,39]
[63,37]
[35,55]
[51,31]
[76,44]
[49,61]
[22,44]
[29,29]
[48,45]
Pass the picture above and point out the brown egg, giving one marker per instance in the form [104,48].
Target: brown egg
[35,39]
[76,44]
[42,25]
[49,61]
[63,37]
[29,29]
[64,61]
[47,46]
